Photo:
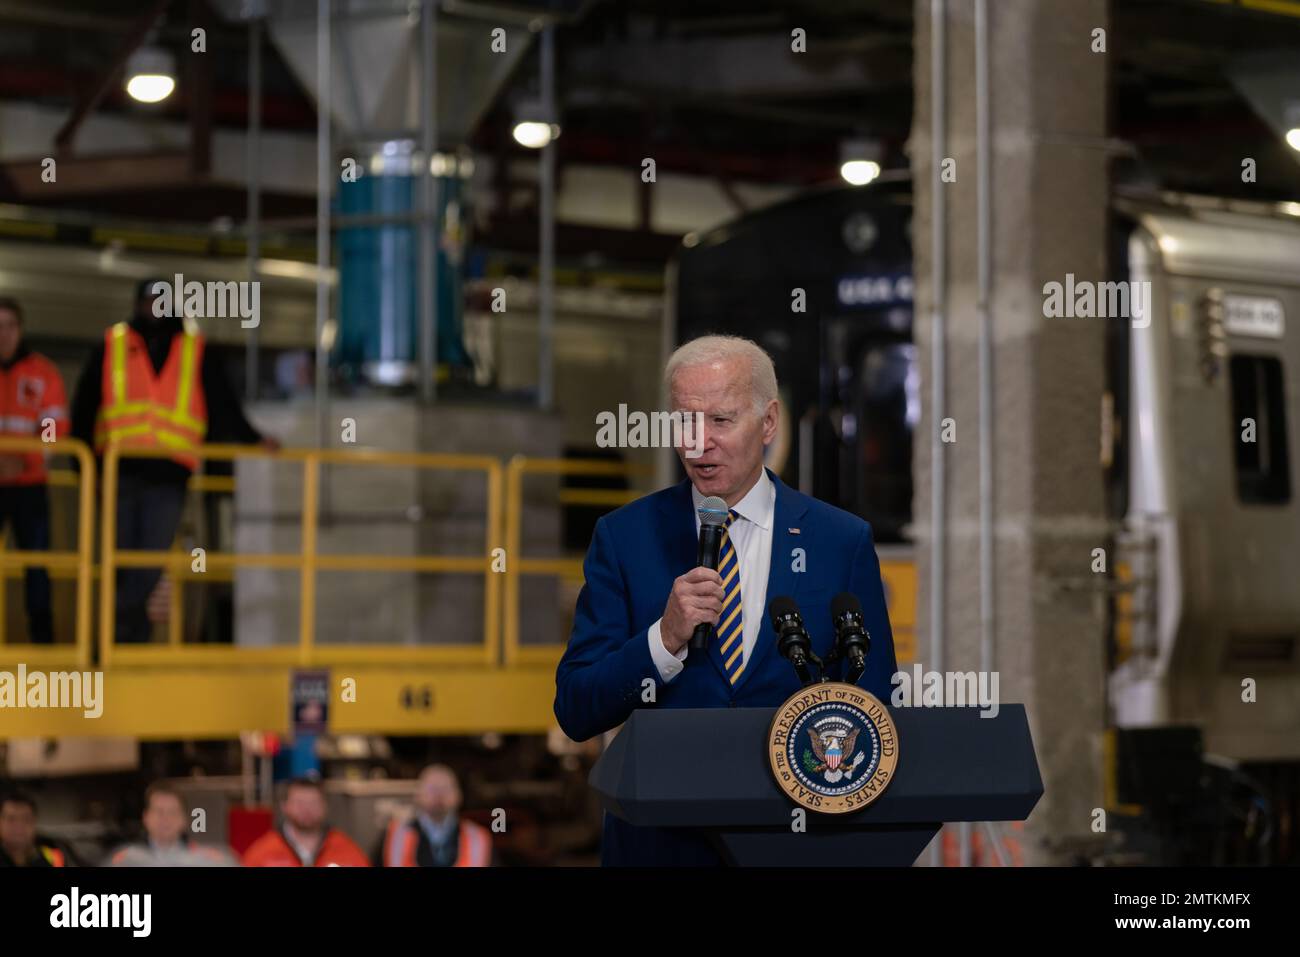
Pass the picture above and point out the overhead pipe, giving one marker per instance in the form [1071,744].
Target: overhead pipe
[546,230]
[987,488]
[253,222]
[324,185]
[429,203]
[938,344]
[983,191]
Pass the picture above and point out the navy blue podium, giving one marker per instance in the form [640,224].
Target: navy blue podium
[707,769]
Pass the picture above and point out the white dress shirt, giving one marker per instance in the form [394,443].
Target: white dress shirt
[751,536]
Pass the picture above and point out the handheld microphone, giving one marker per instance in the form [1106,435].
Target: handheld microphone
[792,639]
[713,514]
[852,640]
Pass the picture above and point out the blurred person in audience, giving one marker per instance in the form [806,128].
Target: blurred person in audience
[152,383]
[32,405]
[304,839]
[167,842]
[436,835]
[20,845]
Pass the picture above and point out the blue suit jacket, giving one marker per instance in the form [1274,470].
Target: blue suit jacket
[636,553]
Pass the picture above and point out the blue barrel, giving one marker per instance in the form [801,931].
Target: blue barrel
[379,278]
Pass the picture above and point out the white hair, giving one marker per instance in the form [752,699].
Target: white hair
[707,350]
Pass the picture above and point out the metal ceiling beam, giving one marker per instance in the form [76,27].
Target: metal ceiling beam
[746,66]
[18,12]
[90,176]
[637,96]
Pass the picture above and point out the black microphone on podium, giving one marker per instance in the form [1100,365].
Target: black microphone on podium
[852,640]
[713,514]
[792,639]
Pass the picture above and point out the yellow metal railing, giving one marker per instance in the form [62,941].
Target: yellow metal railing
[501,613]
[60,564]
[307,562]
[176,596]
[518,565]
[66,478]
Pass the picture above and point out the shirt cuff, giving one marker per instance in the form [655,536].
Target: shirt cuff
[668,664]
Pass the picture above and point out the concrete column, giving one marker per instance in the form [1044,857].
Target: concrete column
[1048,201]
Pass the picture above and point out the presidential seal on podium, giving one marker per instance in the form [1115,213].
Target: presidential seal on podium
[833,747]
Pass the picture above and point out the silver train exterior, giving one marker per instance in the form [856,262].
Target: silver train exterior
[1211,530]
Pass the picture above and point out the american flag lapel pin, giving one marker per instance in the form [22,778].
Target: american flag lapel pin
[793,531]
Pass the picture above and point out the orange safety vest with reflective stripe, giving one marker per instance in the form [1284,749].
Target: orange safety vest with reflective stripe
[31,392]
[144,409]
[402,841]
[272,849]
[46,855]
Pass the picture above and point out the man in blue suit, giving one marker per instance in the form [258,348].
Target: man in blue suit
[644,594]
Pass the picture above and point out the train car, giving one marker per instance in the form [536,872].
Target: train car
[1210,527]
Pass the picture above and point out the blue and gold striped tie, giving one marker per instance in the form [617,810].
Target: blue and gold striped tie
[731,626]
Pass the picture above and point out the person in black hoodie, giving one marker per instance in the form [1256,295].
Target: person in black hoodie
[151,491]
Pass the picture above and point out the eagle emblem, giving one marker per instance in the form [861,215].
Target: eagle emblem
[834,742]
[832,747]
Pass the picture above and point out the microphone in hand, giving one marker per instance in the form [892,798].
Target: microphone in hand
[713,514]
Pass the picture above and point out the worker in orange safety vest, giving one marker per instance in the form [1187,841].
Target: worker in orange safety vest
[436,835]
[304,838]
[154,383]
[32,405]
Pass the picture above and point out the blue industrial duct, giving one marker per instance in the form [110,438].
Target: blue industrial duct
[379,304]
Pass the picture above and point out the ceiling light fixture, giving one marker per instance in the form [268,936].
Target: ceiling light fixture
[150,75]
[859,161]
